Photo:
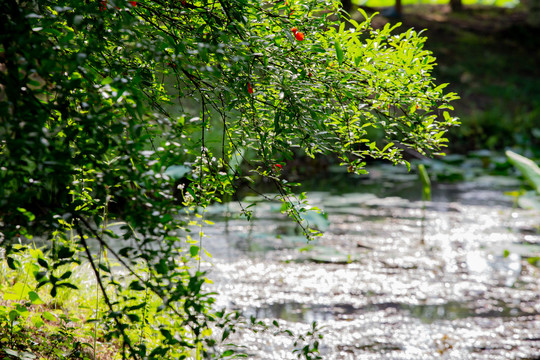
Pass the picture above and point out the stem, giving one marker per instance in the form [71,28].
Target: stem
[145,314]
[97,307]
[101,249]
[24,286]
[119,325]
[201,235]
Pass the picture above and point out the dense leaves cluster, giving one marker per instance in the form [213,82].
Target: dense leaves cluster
[103,103]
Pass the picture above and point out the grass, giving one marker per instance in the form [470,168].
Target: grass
[36,326]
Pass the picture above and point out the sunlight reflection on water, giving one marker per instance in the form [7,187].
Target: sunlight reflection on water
[390,278]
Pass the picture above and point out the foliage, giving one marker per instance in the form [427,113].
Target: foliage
[29,327]
[33,326]
[531,173]
[102,101]
[527,167]
[474,49]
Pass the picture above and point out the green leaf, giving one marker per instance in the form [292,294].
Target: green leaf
[226,333]
[528,168]
[17,292]
[48,316]
[104,267]
[37,321]
[9,295]
[363,12]
[136,285]
[134,318]
[106,81]
[161,267]
[21,309]
[41,276]
[34,298]
[13,264]
[65,252]
[389,145]
[236,160]
[68,285]
[228,352]
[535,261]
[43,263]
[176,172]
[194,250]
[13,315]
[339,52]
[529,200]
[135,307]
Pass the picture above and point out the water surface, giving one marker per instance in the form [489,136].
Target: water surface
[392,277]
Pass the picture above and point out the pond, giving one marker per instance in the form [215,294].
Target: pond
[392,277]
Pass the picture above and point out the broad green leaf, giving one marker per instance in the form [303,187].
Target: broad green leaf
[34,298]
[106,81]
[43,263]
[48,316]
[177,171]
[194,250]
[13,264]
[528,168]
[37,321]
[339,51]
[13,314]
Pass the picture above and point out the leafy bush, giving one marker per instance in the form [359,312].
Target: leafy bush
[102,101]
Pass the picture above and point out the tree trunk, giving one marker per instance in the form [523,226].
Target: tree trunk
[399,9]
[456,5]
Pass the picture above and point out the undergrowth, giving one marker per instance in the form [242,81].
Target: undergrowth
[73,324]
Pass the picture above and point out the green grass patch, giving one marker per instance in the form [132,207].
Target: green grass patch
[74,324]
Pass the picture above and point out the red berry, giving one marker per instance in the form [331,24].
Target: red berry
[250,89]
[299,36]
[133,3]
[294,29]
